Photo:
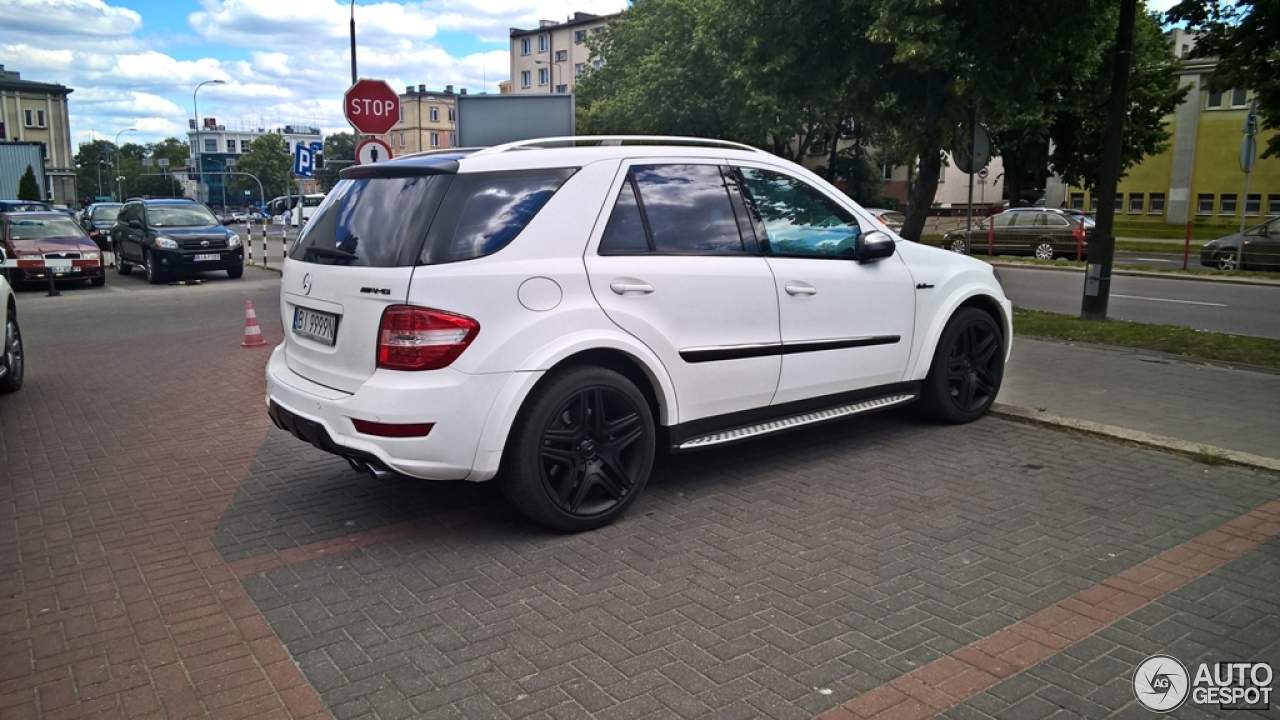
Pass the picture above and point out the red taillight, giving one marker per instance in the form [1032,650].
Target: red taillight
[392,430]
[416,338]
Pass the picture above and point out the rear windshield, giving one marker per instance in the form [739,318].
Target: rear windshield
[109,212]
[429,219]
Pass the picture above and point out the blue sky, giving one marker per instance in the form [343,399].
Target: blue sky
[135,63]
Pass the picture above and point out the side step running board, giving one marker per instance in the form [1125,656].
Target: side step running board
[794,421]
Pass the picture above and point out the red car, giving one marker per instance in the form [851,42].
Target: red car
[56,242]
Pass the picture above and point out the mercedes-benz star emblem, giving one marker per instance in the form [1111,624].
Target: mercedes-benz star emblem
[306,284]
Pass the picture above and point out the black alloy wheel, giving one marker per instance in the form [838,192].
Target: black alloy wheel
[12,357]
[967,369]
[153,273]
[581,450]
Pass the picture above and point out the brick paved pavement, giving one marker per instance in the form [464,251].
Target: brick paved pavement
[175,557]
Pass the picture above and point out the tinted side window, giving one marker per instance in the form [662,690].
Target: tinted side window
[799,219]
[483,212]
[688,209]
[625,234]
[1004,219]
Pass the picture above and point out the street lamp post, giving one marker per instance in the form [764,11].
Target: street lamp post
[119,176]
[195,151]
[554,66]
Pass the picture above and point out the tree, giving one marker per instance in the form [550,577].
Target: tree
[269,160]
[28,187]
[339,153]
[94,168]
[1243,35]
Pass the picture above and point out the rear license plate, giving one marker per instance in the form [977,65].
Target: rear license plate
[208,256]
[314,325]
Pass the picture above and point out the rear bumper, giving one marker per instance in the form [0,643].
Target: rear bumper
[457,404]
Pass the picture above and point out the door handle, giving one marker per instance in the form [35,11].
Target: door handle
[630,286]
[800,288]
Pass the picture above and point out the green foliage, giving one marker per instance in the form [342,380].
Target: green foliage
[339,153]
[29,187]
[859,178]
[269,160]
[1244,35]
[103,160]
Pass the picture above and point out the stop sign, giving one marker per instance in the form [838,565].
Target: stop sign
[371,106]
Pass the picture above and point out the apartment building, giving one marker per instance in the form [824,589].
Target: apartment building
[34,123]
[428,120]
[551,57]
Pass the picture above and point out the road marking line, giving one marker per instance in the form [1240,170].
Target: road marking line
[1180,302]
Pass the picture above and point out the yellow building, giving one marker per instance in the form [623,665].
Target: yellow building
[428,121]
[35,130]
[1198,179]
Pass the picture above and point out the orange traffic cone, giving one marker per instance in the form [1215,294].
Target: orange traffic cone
[252,333]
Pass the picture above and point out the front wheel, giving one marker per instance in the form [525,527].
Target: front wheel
[12,358]
[967,368]
[153,272]
[580,451]
[1044,251]
[235,272]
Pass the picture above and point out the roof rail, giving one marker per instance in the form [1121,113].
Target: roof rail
[439,151]
[598,140]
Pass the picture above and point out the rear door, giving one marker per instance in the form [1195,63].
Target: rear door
[353,260]
[671,267]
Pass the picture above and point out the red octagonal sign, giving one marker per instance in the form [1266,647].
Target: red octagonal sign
[371,106]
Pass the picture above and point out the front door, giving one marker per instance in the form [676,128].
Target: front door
[671,267]
[845,326]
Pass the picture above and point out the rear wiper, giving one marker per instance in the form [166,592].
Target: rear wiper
[326,252]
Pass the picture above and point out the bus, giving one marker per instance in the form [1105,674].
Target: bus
[276,207]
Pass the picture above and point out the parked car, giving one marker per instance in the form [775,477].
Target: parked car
[550,313]
[1043,233]
[24,206]
[12,359]
[891,219]
[50,236]
[98,219]
[239,217]
[1261,245]
[172,238]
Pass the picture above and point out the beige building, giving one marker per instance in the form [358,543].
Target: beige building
[428,121]
[551,58]
[33,115]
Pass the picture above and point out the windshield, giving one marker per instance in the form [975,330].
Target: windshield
[106,213]
[42,228]
[180,216]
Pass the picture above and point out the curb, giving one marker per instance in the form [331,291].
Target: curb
[1143,273]
[1138,437]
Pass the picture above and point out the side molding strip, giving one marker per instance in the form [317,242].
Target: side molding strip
[810,418]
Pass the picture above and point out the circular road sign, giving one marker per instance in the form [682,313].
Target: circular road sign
[371,106]
[981,151]
[372,150]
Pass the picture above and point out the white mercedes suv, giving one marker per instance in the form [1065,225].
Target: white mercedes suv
[554,312]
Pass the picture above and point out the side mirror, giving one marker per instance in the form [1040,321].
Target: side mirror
[873,246]
[135,224]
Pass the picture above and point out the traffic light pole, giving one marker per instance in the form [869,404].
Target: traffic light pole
[1097,281]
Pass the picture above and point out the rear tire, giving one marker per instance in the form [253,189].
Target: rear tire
[122,267]
[967,368]
[580,451]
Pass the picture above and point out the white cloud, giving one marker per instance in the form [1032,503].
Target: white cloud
[68,18]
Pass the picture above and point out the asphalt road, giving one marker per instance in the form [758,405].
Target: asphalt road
[1221,307]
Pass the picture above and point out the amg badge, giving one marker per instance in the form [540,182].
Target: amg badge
[376,291]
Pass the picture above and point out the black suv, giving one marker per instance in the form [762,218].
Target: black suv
[173,237]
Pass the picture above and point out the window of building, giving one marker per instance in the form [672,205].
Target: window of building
[435,140]
[1157,203]
[597,31]
[597,64]
[231,146]
[1135,202]
[1077,201]
[453,139]
[1227,205]
[434,112]
[1237,98]
[1119,203]
[453,116]
[1273,204]
[1093,203]
[524,46]
[543,74]
[211,145]
[562,55]
[244,146]
[1204,204]
[1215,100]
[579,69]
[1252,204]
[34,118]
[524,78]
[544,43]
[3,135]
[562,89]
[401,139]
[580,36]
[886,171]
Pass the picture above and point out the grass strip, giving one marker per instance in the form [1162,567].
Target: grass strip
[1171,339]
